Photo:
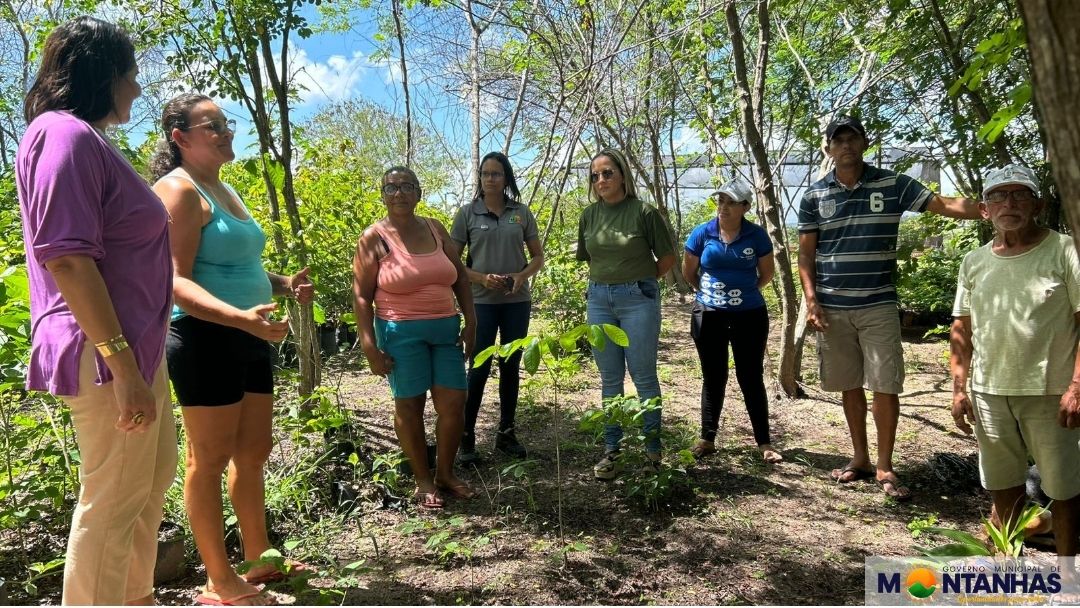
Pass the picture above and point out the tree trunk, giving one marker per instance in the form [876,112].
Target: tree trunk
[750,106]
[1054,44]
[301,316]
[474,88]
[396,10]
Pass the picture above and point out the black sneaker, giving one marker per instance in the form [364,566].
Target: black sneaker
[507,443]
[467,450]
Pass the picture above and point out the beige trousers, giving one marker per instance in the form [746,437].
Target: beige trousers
[112,548]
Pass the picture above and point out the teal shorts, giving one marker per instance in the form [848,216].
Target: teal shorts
[425,354]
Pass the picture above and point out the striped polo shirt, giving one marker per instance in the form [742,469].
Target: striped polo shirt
[857,230]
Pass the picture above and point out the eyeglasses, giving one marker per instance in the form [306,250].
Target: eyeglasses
[406,188]
[605,174]
[217,126]
[1000,196]
[491,175]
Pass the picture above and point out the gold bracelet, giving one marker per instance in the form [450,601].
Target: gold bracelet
[110,347]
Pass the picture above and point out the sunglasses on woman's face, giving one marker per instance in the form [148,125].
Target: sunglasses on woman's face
[218,126]
[605,174]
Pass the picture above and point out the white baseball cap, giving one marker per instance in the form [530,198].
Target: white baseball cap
[1011,175]
[737,190]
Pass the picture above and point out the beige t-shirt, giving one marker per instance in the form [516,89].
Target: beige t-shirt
[1023,330]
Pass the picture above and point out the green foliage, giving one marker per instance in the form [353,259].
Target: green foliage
[298,480]
[515,477]
[918,525]
[559,290]
[447,541]
[651,486]
[1006,539]
[40,570]
[38,473]
[926,277]
[994,54]
[385,472]
[335,579]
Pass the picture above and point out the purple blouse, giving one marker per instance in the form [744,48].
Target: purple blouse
[79,196]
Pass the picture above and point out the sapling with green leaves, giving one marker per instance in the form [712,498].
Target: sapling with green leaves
[561,356]
[1006,539]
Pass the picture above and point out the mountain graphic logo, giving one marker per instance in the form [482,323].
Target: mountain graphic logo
[921,583]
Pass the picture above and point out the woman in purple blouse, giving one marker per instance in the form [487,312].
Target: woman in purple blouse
[97,255]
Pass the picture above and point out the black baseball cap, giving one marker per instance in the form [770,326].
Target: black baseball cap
[844,122]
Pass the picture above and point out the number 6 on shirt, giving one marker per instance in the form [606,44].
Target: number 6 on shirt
[877,202]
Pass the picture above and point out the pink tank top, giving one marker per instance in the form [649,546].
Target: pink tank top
[414,286]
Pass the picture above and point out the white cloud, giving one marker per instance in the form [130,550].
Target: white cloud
[335,79]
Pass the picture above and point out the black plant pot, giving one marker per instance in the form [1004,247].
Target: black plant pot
[341,441]
[345,494]
[405,468]
[346,336]
[171,555]
[328,340]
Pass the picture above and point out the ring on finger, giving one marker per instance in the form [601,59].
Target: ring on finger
[138,418]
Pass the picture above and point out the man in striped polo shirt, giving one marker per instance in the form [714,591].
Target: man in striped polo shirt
[848,224]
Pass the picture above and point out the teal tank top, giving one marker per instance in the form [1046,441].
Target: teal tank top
[228,263]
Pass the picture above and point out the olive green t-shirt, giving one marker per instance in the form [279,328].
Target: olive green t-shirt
[622,242]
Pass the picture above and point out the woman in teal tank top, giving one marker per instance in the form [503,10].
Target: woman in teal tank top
[218,351]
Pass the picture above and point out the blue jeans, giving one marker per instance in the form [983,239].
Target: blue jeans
[510,321]
[634,307]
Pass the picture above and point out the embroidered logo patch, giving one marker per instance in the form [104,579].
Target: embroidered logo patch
[827,208]
[514,219]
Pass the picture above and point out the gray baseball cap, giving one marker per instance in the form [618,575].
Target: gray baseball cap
[737,190]
[1011,175]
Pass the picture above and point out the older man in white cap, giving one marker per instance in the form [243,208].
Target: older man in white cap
[1014,339]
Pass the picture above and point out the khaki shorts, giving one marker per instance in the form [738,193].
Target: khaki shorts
[861,348]
[1008,428]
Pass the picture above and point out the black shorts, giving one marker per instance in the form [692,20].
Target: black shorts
[211,364]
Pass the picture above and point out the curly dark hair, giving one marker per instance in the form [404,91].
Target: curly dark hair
[81,62]
[175,115]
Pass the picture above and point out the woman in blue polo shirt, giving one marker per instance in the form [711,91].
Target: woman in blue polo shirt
[728,260]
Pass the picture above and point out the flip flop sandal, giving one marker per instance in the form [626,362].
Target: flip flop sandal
[428,501]
[838,475]
[205,600]
[772,456]
[894,490]
[295,569]
[461,491]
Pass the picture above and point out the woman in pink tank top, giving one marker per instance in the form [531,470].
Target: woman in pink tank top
[405,283]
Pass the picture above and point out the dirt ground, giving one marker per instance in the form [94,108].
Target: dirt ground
[739,532]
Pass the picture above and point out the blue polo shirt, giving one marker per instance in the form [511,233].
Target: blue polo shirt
[728,271]
[857,230]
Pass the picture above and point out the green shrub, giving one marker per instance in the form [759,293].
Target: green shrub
[926,275]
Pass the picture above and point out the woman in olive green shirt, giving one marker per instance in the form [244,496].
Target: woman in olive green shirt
[628,247]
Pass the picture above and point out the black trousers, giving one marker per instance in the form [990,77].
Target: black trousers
[747,332]
[510,322]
